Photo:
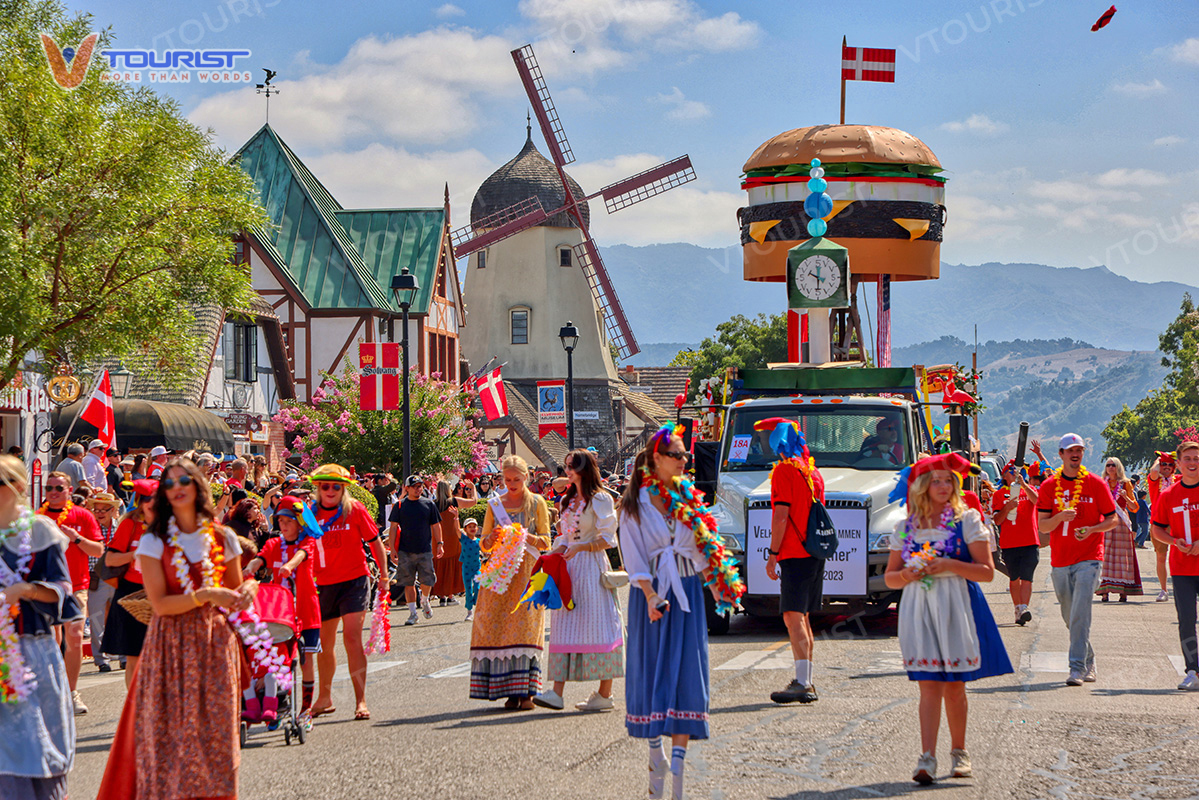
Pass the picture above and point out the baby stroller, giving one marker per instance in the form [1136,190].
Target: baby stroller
[276,606]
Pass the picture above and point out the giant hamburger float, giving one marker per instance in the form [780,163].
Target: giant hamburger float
[888,201]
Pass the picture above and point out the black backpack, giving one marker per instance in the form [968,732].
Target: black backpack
[821,541]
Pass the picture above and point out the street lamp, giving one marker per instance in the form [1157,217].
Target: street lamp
[404,286]
[122,382]
[570,340]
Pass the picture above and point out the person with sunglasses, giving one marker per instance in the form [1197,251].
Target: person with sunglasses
[341,575]
[123,634]
[83,533]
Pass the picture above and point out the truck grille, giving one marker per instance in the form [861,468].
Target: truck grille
[844,504]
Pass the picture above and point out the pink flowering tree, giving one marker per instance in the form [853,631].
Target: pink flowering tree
[333,429]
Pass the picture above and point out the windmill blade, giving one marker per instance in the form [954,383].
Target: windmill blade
[619,331]
[645,185]
[543,106]
[502,224]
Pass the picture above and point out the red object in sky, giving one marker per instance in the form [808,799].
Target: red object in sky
[98,412]
[951,395]
[495,399]
[1105,18]
[867,64]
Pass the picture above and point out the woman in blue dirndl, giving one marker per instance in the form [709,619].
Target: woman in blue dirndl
[947,634]
[666,677]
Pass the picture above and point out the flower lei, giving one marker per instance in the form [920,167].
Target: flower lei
[1075,497]
[17,681]
[686,504]
[504,557]
[919,557]
[45,511]
[380,639]
[249,626]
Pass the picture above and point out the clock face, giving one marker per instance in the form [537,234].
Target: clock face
[817,277]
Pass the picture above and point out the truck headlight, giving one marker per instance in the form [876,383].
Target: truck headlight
[881,542]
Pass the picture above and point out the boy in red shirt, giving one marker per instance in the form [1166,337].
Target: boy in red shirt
[794,483]
[1074,508]
[1161,474]
[1015,507]
[1176,525]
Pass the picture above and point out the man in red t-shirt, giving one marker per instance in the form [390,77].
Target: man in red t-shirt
[1176,525]
[83,533]
[1073,511]
[794,482]
[1015,507]
[1161,474]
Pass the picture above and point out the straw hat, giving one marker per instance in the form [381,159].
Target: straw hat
[104,500]
[330,473]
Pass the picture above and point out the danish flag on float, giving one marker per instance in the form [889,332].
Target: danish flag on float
[491,392]
[379,382]
[98,412]
[867,64]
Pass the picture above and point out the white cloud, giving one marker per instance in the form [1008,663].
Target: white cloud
[657,24]
[1168,141]
[973,219]
[1131,178]
[1134,89]
[1081,191]
[980,124]
[681,108]
[449,10]
[1185,52]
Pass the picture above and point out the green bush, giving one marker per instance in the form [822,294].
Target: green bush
[475,512]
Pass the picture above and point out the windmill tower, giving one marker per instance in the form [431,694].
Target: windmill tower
[533,266]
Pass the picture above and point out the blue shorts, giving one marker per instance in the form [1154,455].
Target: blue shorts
[310,642]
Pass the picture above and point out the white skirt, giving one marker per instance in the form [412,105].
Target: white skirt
[936,627]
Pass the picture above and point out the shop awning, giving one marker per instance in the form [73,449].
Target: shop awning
[142,424]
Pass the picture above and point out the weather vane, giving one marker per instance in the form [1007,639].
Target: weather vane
[266,88]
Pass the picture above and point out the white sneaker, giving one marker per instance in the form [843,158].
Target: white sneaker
[1024,616]
[77,701]
[1075,678]
[926,769]
[1090,676]
[597,702]
[411,619]
[1190,683]
[424,607]
[1162,596]
[550,699]
[470,615]
[961,764]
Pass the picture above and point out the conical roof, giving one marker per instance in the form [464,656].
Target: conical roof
[529,174]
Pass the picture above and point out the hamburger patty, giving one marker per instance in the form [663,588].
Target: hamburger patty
[873,219]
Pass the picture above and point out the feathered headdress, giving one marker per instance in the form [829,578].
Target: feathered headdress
[952,462]
[1165,458]
[786,438]
[665,432]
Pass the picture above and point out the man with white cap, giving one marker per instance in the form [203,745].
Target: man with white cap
[93,465]
[1074,508]
[158,460]
[72,465]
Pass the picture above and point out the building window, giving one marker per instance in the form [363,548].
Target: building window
[240,350]
[565,256]
[520,326]
[482,262]
[239,251]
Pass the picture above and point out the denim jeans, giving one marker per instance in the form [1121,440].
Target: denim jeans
[1075,587]
[98,601]
[1186,588]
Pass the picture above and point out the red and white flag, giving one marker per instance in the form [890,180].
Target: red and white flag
[379,383]
[867,64]
[491,392]
[98,412]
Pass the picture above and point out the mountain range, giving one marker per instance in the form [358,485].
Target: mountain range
[677,293]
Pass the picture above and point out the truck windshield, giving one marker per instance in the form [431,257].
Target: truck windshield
[857,437]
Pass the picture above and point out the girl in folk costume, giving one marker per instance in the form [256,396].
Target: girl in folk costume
[946,632]
[585,641]
[1121,572]
[37,723]
[123,633]
[507,641]
[671,550]
[178,733]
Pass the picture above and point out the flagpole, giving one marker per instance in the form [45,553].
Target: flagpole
[843,83]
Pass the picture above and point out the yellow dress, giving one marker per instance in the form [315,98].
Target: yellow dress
[506,648]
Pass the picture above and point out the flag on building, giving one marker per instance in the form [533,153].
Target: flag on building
[883,354]
[98,411]
[379,365]
[551,408]
[493,396]
[867,64]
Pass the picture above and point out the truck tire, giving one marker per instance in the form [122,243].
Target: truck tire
[718,624]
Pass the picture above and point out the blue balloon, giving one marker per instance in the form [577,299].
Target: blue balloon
[815,162]
[818,205]
[817,185]
[817,227]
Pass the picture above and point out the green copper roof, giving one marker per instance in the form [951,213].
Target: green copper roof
[337,258]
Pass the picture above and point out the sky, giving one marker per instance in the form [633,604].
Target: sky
[1062,146]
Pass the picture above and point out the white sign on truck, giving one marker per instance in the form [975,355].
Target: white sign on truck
[844,573]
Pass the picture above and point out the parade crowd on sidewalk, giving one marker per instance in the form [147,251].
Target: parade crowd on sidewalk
[170,566]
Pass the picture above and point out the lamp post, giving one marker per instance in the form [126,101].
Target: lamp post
[122,382]
[570,340]
[404,286]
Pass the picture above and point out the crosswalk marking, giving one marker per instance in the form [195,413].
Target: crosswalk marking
[371,667]
[1180,665]
[457,671]
[882,662]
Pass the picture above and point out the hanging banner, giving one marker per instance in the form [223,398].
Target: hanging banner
[551,408]
[379,384]
[936,377]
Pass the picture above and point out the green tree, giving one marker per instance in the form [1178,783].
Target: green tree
[1134,434]
[116,214]
[740,342]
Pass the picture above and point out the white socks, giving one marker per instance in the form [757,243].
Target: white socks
[803,672]
[657,767]
[412,609]
[677,756]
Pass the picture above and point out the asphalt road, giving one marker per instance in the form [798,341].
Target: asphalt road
[1130,735]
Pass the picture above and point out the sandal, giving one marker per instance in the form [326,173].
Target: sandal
[512,704]
[363,714]
[315,712]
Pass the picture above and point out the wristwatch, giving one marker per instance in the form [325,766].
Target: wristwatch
[772,552]
[78,539]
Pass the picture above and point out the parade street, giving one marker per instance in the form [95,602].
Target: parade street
[1130,734]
